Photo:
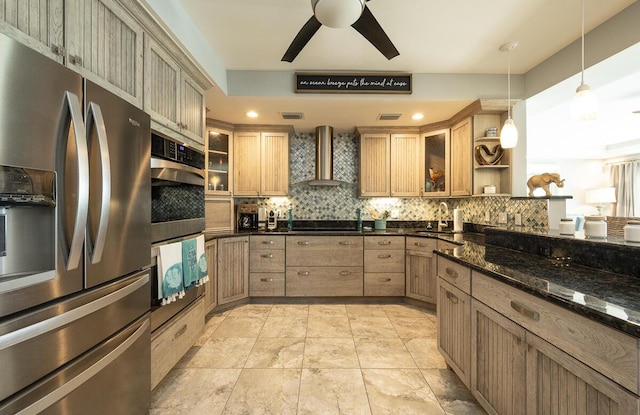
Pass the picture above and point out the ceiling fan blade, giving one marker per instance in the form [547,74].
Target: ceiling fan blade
[302,38]
[369,27]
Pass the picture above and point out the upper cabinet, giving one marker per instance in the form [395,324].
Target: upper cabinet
[435,169]
[491,164]
[261,163]
[172,98]
[38,24]
[104,44]
[218,157]
[461,173]
[389,164]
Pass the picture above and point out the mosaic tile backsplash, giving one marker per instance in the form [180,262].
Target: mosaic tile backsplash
[340,203]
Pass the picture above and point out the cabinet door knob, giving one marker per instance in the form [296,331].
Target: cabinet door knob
[345,273]
[303,242]
[384,279]
[452,297]
[345,243]
[451,272]
[303,273]
[268,242]
[384,242]
[420,244]
[384,256]
[266,279]
[266,256]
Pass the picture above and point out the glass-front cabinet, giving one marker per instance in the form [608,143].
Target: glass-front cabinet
[436,164]
[218,158]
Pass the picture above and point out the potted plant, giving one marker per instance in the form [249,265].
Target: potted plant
[380,219]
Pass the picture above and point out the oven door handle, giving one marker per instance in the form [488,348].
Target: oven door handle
[175,172]
[94,117]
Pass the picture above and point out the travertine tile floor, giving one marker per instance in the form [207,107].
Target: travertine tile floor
[315,359]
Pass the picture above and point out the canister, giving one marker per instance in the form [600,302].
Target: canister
[595,227]
[567,226]
[632,231]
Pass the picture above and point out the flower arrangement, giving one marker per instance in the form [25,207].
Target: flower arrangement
[377,215]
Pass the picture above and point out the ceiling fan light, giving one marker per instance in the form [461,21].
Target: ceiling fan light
[584,106]
[337,13]
[509,134]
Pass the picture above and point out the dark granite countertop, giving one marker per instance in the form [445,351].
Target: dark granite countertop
[609,298]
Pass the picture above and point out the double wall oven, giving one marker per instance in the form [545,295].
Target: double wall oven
[177,210]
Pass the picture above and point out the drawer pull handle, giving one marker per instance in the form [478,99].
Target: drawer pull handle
[451,272]
[266,256]
[345,273]
[180,332]
[345,243]
[384,242]
[452,297]
[303,273]
[420,244]
[303,242]
[266,279]
[384,279]
[381,256]
[268,242]
[527,312]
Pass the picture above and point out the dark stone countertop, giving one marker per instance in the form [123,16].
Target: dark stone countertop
[609,298]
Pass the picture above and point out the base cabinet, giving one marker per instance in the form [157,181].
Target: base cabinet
[210,288]
[420,270]
[454,328]
[266,266]
[384,266]
[233,269]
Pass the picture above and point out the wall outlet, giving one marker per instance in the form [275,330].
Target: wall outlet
[502,217]
[487,217]
[395,214]
[518,219]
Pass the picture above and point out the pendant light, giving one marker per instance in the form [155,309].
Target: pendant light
[509,133]
[584,106]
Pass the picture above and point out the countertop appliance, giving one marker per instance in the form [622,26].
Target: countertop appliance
[75,242]
[177,189]
[247,216]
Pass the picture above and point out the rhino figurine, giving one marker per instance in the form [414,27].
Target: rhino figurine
[543,181]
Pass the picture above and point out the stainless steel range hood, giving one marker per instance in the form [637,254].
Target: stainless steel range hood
[324,157]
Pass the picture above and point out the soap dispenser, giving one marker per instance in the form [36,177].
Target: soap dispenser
[290,220]
[359,216]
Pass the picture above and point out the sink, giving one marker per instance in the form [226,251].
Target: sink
[435,231]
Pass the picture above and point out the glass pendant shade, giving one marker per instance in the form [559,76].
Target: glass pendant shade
[337,13]
[584,106]
[509,134]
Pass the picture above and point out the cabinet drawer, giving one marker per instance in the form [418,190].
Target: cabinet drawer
[266,284]
[608,351]
[383,242]
[324,251]
[324,281]
[421,244]
[384,284]
[266,242]
[376,260]
[266,261]
[455,274]
[170,342]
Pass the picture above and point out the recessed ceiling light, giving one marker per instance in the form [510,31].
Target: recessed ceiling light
[417,116]
[252,114]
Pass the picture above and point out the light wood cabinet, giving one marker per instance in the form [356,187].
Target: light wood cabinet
[172,98]
[435,176]
[454,329]
[36,23]
[420,269]
[324,266]
[389,164]
[233,269]
[218,214]
[461,161]
[261,163]
[266,266]
[384,266]
[497,361]
[210,294]
[218,162]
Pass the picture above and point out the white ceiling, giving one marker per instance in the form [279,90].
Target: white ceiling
[432,36]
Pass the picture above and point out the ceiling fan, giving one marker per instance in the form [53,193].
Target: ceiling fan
[342,13]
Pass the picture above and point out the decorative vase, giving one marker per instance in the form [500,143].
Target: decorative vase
[380,224]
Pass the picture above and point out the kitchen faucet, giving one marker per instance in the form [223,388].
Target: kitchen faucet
[442,224]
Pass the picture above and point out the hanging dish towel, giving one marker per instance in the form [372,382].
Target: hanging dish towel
[170,284]
[203,275]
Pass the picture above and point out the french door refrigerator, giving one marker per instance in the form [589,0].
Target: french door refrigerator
[75,243]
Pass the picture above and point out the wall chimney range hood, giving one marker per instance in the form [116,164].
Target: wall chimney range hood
[324,157]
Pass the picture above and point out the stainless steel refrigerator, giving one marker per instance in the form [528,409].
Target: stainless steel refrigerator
[75,244]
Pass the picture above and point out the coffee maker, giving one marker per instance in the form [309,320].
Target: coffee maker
[247,217]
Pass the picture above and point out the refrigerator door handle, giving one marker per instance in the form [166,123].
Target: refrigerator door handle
[75,249]
[74,383]
[94,117]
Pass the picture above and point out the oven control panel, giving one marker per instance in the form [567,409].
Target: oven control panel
[171,150]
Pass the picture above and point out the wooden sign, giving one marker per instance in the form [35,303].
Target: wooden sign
[327,83]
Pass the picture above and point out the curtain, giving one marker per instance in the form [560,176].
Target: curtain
[626,179]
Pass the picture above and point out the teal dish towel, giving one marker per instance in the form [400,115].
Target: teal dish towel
[170,279]
[194,262]
[203,275]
